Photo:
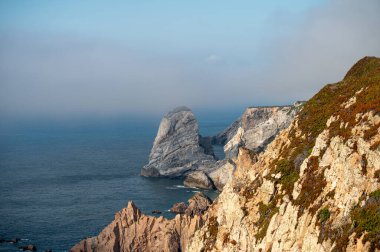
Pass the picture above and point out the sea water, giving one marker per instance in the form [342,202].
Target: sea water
[62,182]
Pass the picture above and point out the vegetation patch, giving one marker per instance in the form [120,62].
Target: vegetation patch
[364,220]
[312,186]
[324,215]
[364,164]
[213,228]
[266,213]
[363,82]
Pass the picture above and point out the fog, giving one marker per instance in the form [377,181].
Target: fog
[268,55]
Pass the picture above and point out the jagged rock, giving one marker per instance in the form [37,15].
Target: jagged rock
[256,128]
[178,147]
[198,204]
[179,208]
[198,179]
[131,230]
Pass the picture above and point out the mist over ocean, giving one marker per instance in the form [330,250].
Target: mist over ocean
[63,181]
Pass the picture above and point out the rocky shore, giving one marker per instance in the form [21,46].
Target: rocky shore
[132,230]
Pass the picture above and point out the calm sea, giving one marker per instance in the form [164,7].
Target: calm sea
[62,182]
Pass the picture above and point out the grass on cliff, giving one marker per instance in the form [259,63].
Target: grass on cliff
[365,220]
[362,81]
[266,213]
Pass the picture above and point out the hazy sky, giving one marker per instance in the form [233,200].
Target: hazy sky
[60,58]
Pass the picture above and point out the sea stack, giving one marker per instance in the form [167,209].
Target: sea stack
[178,148]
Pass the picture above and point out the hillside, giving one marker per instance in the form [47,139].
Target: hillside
[316,187]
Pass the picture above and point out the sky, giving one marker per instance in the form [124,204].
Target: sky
[138,57]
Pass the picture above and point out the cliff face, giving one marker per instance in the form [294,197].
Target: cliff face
[256,128]
[178,147]
[317,185]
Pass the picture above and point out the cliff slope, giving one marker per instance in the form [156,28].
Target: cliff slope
[317,185]
[256,128]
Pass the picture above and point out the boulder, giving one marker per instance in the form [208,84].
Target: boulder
[198,179]
[178,148]
[179,208]
[198,204]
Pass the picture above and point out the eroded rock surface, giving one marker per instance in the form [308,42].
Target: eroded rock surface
[317,185]
[132,230]
[178,148]
[256,128]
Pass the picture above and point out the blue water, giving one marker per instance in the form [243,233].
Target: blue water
[63,182]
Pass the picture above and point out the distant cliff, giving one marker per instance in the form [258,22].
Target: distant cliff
[179,150]
[256,128]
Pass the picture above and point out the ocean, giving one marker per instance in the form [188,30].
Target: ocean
[62,182]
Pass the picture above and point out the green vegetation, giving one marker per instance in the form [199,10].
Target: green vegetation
[361,81]
[266,213]
[364,220]
[324,215]
[288,174]
[375,194]
[213,228]
[312,186]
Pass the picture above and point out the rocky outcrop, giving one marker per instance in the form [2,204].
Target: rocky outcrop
[179,150]
[132,230]
[256,128]
[178,147]
[317,185]
[179,208]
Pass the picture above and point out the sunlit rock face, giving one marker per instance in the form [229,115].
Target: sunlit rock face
[132,230]
[256,128]
[316,187]
[178,147]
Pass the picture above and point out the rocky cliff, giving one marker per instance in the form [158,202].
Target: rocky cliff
[316,187]
[132,230]
[178,147]
[256,128]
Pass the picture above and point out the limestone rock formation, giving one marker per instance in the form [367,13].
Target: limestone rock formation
[132,230]
[256,128]
[178,147]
